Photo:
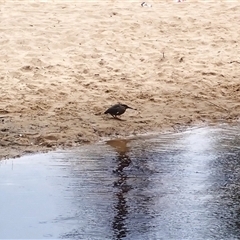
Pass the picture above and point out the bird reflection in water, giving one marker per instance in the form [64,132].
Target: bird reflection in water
[121,207]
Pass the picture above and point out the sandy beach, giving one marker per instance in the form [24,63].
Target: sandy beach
[62,64]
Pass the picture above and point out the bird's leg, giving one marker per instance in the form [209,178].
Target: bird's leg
[117,118]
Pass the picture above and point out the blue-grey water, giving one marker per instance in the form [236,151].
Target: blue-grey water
[171,186]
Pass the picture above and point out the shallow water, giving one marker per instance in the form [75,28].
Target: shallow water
[173,186]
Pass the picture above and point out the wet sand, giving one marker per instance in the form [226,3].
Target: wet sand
[63,64]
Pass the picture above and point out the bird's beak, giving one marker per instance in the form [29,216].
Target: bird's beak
[132,108]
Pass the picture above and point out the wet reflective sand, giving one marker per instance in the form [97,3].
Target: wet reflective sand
[173,186]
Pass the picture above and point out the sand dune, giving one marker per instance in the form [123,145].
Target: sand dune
[63,63]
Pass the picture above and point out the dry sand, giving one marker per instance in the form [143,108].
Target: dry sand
[63,63]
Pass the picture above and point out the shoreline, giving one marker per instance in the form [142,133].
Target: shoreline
[22,150]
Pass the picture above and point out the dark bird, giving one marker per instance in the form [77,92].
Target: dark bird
[117,109]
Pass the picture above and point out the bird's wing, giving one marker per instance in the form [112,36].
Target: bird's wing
[117,110]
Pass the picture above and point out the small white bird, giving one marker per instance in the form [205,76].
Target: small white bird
[144,4]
